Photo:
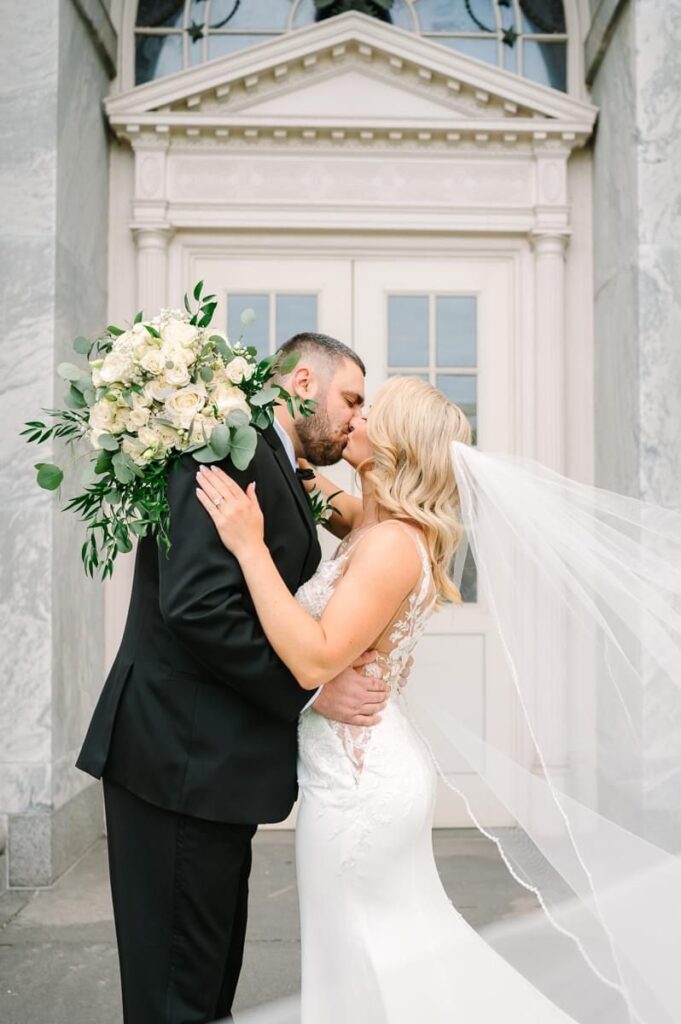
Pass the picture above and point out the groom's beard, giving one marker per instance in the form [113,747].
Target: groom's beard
[322,447]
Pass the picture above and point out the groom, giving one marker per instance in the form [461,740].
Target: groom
[194,734]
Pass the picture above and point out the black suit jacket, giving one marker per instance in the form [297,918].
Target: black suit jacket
[198,714]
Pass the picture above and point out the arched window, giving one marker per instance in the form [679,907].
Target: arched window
[526,37]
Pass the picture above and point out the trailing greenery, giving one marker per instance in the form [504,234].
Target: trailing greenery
[150,394]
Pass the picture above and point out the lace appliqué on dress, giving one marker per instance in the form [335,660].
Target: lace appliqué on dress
[351,741]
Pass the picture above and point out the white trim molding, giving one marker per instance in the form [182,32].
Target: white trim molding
[350,124]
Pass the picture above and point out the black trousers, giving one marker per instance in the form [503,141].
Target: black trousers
[180,898]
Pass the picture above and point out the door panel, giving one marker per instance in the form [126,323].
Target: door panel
[449,321]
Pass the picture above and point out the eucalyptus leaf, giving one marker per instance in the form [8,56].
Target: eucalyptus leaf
[265,396]
[122,470]
[67,371]
[244,443]
[74,400]
[89,396]
[205,454]
[206,374]
[108,442]
[138,528]
[82,345]
[262,419]
[220,441]
[288,363]
[237,418]
[103,463]
[223,349]
[197,290]
[49,476]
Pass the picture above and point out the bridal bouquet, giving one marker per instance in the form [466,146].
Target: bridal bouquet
[148,395]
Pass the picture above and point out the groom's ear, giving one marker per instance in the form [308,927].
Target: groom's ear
[304,382]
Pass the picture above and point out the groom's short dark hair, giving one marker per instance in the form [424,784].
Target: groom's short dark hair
[332,350]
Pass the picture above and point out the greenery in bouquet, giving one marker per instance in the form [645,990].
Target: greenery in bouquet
[148,395]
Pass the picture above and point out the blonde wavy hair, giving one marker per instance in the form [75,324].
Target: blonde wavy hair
[410,428]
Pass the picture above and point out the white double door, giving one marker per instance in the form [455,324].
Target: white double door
[449,320]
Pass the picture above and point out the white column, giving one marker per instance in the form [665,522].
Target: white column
[551,699]
[550,375]
[152,267]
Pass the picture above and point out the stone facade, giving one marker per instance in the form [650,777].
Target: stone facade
[636,82]
[54,258]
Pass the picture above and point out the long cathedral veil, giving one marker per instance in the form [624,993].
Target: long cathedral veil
[584,589]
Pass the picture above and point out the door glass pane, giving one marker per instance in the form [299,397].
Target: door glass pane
[463,391]
[408,330]
[295,313]
[456,330]
[258,332]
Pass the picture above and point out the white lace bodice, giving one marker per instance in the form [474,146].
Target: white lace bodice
[319,735]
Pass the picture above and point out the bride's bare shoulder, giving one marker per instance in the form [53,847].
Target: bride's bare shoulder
[389,547]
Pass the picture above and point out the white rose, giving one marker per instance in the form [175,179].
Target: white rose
[178,376]
[102,416]
[123,344]
[168,435]
[176,332]
[182,406]
[228,399]
[139,453]
[202,428]
[138,418]
[97,381]
[152,442]
[141,400]
[153,361]
[156,390]
[117,367]
[238,370]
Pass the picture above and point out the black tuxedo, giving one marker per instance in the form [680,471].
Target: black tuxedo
[198,719]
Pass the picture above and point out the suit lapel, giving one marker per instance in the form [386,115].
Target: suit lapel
[298,492]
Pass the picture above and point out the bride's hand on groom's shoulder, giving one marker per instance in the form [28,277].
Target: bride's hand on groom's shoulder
[352,697]
[236,513]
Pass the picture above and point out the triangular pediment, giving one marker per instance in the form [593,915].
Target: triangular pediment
[349,73]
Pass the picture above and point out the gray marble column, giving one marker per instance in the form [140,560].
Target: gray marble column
[636,71]
[54,171]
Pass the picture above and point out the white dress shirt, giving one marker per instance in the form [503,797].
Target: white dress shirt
[291,454]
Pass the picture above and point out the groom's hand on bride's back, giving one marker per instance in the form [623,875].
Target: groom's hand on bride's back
[352,697]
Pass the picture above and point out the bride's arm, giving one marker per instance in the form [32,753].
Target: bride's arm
[380,575]
[348,508]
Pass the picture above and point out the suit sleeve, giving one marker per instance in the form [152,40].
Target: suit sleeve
[204,601]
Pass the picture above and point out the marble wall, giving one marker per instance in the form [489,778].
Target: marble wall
[53,180]
[637,266]
[637,233]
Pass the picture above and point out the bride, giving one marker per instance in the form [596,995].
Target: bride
[381,942]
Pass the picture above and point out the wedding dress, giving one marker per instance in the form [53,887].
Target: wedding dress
[381,942]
